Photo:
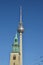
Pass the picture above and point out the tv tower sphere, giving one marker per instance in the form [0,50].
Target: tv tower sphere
[20,28]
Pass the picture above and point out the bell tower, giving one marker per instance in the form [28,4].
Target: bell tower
[14,55]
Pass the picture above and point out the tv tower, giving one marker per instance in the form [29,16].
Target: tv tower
[20,31]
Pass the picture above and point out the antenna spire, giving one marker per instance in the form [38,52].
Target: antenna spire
[20,14]
[20,27]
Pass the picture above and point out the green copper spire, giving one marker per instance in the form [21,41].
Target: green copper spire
[16,40]
[15,45]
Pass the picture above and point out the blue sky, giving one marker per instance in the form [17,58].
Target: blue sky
[33,30]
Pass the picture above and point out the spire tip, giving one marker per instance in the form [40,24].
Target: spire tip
[20,13]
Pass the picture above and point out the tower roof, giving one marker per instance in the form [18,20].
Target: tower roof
[15,45]
[16,39]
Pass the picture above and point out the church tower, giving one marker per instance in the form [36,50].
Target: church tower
[16,54]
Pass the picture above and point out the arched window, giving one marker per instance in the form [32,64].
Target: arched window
[14,57]
[13,63]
